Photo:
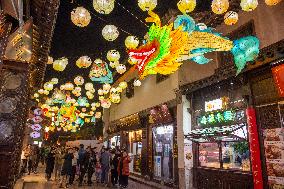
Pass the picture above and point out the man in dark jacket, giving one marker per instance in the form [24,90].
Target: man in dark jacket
[105,162]
[114,165]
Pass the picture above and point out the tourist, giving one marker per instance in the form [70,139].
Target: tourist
[67,168]
[82,161]
[24,162]
[114,165]
[98,170]
[59,159]
[105,163]
[91,164]
[74,165]
[123,169]
[36,158]
[49,163]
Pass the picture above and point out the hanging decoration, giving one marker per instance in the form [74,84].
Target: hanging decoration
[103,6]
[100,72]
[231,18]
[186,6]
[166,47]
[278,75]
[60,64]
[123,85]
[54,81]
[220,6]
[249,5]
[137,83]
[89,86]
[68,86]
[48,86]
[131,42]
[147,5]
[114,64]
[110,32]
[106,87]
[105,103]
[84,62]
[80,17]
[79,80]
[272,2]
[121,68]
[49,60]
[113,55]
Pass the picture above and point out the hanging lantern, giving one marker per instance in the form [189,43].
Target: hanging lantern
[147,5]
[105,92]
[121,68]
[131,42]
[220,6]
[186,6]
[137,83]
[35,134]
[106,87]
[114,64]
[100,92]
[62,87]
[249,5]
[105,103]
[49,60]
[113,55]
[36,95]
[123,85]
[231,18]
[79,80]
[46,92]
[54,81]
[119,89]
[68,86]
[89,86]
[115,98]
[98,104]
[60,64]
[110,32]
[48,86]
[103,6]
[84,62]
[272,2]
[80,17]
[113,90]
[92,90]
[98,115]
[89,95]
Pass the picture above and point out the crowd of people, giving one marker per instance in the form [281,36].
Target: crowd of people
[107,167]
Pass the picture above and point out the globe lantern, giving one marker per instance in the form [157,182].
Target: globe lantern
[69,86]
[98,115]
[106,87]
[110,32]
[50,60]
[105,103]
[249,5]
[103,6]
[115,98]
[48,86]
[54,81]
[272,2]
[118,89]
[147,5]
[89,86]
[80,17]
[79,80]
[220,6]
[231,18]
[121,68]
[123,85]
[137,83]
[84,62]
[100,92]
[114,64]
[60,64]
[186,6]
[131,42]
[113,55]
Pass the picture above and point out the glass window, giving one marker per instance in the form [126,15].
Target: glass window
[209,155]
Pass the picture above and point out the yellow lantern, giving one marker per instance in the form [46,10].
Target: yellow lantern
[87,120]
[79,80]
[69,86]
[80,17]
[118,89]
[131,42]
[98,104]
[54,81]
[98,115]
[46,92]
[115,98]
[84,62]
[249,5]
[186,6]
[49,60]
[101,98]
[113,55]
[121,68]
[60,64]
[48,86]
[62,87]
[123,85]
[89,86]
[100,92]
[147,5]
[103,6]
[110,32]
[114,64]
[88,93]
[231,18]
[36,95]
[106,87]
[220,6]
[272,2]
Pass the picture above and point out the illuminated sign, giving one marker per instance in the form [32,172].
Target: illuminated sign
[217,104]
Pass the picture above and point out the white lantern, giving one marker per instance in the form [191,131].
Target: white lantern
[48,86]
[40,91]
[89,86]
[113,55]
[54,81]
[50,60]
[110,32]
[103,6]
[106,87]
[100,92]
[60,64]
[80,17]
[147,5]
[121,68]
[249,5]
[84,62]
[69,86]
[137,83]
[131,42]
[114,64]
[79,80]
[220,6]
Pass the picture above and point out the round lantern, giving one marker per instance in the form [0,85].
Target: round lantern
[69,86]
[89,95]
[103,6]
[54,81]
[98,104]
[113,55]
[106,87]
[98,115]
[115,98]
[231,18]
[79,80]
[131,42]
[89,86]
[49,60]
[40,91]
[84,62]
[76,93]
[186,6]
[123,85]
[36,95]
[121,68]
[119,89]
[113,90]
[137,83]
[272,2]
[220,6]
[78,89]
[100,92]
[62,87]
[46,92]
[147,5]
[110,32]
[80,17]
[114,64]
[48,86]
[105,103]
[92,90]
[60,64]
[105,92]
[249,5]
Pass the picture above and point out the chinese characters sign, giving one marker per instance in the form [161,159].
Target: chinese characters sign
[217,104]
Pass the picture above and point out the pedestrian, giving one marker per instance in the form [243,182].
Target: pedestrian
[98,170]
[82,161]
[24,162]
[114,165]
[67,168]
[59,159]
[91,165]
[50,163]
[123,169]
[105,163]
[74,165]
[36,158]
[30,158]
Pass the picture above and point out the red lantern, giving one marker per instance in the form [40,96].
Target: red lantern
[278,75]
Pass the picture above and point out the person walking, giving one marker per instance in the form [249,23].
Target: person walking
[24,162]
[59,159]
[114,165]
[49,163]
[91,165]
[105,163]
[123,169]
[98,170]
[74,165]
[36,158]
[83,162]
[67,168]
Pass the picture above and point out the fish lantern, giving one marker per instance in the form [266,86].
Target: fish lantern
[36,127]
[49,60]
[103,6]
[231,18]
[131,42]
[123,85]
[80,16]
[79,80]
[48,86]
[89,86]
[110,32]
[69,86]
[54,81]
[100,72]
[220,6]
[249,5]
[121,68]
[100,92]
[84,62]
[114,64]
[98,115]
[147,5]
[35,134]
[105,103]
[272,2]
[137,83]
[113,55]
[186,6]
[115,98]
[106,87]
[60,64]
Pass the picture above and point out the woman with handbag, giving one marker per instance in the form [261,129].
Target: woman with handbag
[123,169]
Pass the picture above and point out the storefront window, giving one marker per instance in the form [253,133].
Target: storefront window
[135,142]
[163,152]
[209,155]
[115,141]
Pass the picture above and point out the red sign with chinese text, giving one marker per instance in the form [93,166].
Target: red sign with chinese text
[278,75]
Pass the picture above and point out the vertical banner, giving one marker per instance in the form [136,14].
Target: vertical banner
[254,149]
[278,75]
